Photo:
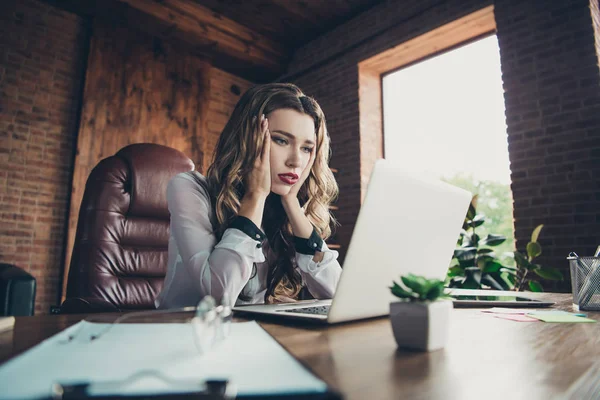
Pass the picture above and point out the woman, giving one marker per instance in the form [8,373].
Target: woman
[253,228]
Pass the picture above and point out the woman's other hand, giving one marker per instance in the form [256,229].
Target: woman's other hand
[259,181]
[292,195]
[301,226]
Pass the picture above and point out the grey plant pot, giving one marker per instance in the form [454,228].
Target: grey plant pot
[421,326]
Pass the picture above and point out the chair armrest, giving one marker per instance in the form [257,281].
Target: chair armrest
[17,291]
[80,305]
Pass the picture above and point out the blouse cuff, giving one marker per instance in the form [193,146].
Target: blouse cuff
[241,243]
[248,227]
[309,246]
[306,263]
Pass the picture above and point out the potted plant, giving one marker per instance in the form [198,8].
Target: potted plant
[420,320]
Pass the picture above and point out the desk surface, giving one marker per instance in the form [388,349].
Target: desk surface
[486,357]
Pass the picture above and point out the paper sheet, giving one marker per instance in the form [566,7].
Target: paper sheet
[526,315]
[558,317]
[249,357]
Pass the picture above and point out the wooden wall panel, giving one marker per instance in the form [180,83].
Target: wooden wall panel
[137,89]
[225,91]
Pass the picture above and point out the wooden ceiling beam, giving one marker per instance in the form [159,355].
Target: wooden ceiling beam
[206,28]
[227,44]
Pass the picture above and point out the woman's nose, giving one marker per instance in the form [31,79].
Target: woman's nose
[294,159]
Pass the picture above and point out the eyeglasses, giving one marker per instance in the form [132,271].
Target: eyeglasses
[211,324]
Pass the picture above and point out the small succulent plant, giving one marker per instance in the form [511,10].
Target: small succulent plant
[417,289]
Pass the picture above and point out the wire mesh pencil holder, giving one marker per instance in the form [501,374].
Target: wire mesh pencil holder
[585,282]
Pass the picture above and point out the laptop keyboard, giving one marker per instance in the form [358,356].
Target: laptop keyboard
[319,310]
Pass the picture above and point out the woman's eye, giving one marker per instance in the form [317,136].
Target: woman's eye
[279,140]
[307,149]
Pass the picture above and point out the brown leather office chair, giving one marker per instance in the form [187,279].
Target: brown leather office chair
[119,256]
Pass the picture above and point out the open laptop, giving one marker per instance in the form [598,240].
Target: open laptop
[408,223]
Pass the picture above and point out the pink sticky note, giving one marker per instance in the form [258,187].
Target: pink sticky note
[516,317]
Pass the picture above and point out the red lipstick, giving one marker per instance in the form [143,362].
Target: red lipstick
[288,178]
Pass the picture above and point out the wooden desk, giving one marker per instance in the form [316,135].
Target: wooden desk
[486,357]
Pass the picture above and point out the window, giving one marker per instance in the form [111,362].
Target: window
[445,115]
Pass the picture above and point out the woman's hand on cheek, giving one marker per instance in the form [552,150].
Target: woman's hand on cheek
[259,181]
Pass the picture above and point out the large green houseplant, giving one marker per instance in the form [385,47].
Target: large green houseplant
[475,264]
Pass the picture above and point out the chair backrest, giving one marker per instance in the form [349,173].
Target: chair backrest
[121,244]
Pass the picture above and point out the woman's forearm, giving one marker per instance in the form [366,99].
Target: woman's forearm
[252,207]
[301,226]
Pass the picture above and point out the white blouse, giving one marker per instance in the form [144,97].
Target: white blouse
[200,266]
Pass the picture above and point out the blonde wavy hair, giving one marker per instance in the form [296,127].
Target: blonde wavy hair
[237,149]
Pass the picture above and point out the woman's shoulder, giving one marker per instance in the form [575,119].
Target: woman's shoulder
[190,180]
[191,176]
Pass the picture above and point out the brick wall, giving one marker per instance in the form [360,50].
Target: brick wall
[550,73]
[42,53]
[552,97]
[41,67]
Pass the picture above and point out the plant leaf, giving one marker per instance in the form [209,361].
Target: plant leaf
[535,286]
[456,271]
[498,278]
[533,250]
[411,282]
[522,262]
[465,253]
[549,273]
[456,282]
[508,270]
[482,260]
[401,293]
[492,266]
[466,241]
[471,212]
[490,281]
[469,283]
[467,263]
[508,279]
[473,273]
[536,233]
[488,252]
[492,240]
[435,291]
[477,221]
